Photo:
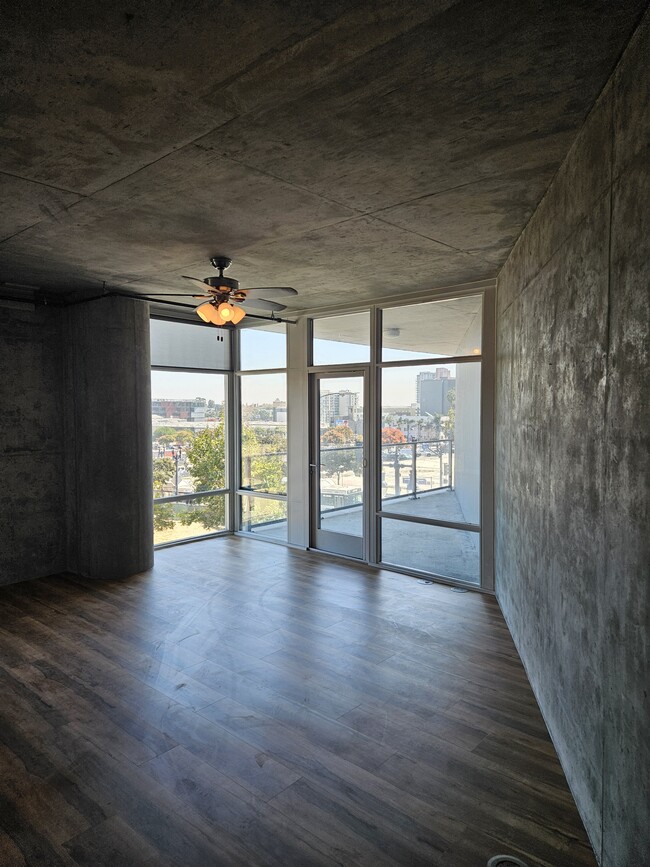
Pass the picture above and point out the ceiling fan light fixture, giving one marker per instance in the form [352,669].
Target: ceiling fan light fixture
[238,315]
[209,313]
[226,311]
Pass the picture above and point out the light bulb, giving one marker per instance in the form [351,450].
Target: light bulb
[226,311]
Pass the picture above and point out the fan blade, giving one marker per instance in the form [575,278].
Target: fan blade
[201,283]
[269,290]
[261,304]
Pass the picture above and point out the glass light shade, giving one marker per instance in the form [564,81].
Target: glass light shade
[203,310]
[238,315]
[209,313]
[226,311]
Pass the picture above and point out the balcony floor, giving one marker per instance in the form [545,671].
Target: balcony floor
[434,550]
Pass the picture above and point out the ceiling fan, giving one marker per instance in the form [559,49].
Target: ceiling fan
[225,302]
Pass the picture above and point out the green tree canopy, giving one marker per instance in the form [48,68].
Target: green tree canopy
[163,470]
[206,459]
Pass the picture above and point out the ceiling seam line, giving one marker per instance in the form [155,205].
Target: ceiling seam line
[434,240]
[42,184]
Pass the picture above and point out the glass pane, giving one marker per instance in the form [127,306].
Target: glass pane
[431,439]
[436,550]
[185,520]
[436,329]
[264,517]
[341,455]
[263,347]
[183,344]
[188,432]
[264,432]
[342,339]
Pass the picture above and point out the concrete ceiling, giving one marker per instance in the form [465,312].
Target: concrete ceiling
[350,149]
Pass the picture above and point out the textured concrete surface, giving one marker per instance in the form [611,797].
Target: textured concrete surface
[75,455]
[573,461]
[32,489]
[108,435]
[357,147]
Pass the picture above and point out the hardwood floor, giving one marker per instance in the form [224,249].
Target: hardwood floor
[247,704]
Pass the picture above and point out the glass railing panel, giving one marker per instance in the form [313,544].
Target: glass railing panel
[183,519]
[435,550]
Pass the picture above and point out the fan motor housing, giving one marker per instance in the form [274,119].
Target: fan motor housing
[225,283]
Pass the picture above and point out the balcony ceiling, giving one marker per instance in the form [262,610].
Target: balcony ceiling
[349,149]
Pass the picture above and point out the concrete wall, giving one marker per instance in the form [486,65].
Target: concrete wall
[108,432]
[75,440]
[573,460]
[32,487]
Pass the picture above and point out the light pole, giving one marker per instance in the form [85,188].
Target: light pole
[176,455]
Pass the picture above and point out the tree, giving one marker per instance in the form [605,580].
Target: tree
[449,424]
[163,513]
[342,455]
[206,459]
[264,459]
[163,431]
[390,435]
[184,437]
[163,470]
[340,435]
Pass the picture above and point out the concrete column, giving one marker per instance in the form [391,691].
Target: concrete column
[298,433]
[108,439]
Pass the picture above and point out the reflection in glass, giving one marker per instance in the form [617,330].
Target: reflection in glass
[264,517]
[197,516]
[264,432]
[436,550]
[342,339]
[435,329]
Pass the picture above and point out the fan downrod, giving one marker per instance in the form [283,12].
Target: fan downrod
[221,263]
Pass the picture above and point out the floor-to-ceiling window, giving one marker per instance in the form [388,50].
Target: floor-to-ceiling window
[262,390]
[190,430]
[429,431]
[430,386]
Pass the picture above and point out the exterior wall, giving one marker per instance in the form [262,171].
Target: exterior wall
[573,460]
[32,395]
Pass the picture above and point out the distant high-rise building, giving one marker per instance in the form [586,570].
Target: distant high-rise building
[337,406]
[439,373]
[433,389]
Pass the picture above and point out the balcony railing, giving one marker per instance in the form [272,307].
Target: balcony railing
[420,467]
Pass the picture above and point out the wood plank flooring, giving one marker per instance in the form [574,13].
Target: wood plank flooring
[247,704]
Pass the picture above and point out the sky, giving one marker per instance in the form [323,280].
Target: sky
[262,348]
[398,389]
